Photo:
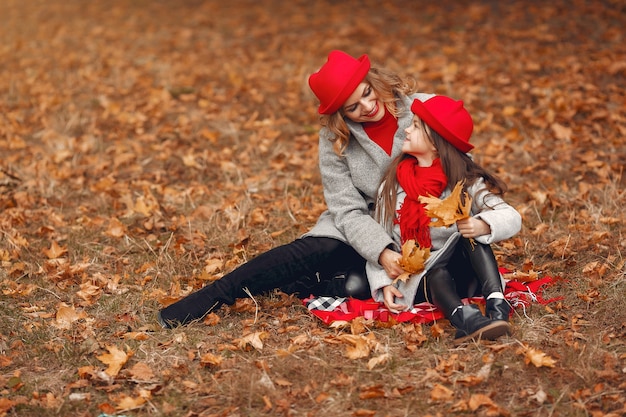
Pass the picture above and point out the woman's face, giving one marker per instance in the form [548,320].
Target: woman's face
[363,105]
[418,144]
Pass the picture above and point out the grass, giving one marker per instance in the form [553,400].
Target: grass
[158,167]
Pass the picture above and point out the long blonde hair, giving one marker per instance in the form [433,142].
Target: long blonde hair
[457,166]
[387,86]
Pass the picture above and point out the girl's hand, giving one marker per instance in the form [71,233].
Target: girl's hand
[472,227]
[388,259]
[389,295]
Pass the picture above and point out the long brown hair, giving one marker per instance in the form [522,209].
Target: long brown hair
[457,166]
[387,86]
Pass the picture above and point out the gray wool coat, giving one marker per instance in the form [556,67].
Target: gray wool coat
[350,183]
[503,219]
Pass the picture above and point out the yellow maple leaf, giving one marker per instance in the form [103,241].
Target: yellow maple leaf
[115,359]
[126,402]
[378,360]
[55,251]
[116,228]
[413,259]
[440,393]
[67,315]
[359,346]
[141,372]
[252,339]
[209,360]
[536,357]
[450,209]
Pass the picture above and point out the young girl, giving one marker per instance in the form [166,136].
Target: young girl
[461,262]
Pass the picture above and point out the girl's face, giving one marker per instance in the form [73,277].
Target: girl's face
[363,105]
[418,144]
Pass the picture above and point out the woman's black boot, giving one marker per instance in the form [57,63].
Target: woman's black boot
[472,325]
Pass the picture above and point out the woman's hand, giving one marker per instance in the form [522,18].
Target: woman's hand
[390,293]
[388,259]
[472,227]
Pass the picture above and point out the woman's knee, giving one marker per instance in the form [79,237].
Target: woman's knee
[357,285]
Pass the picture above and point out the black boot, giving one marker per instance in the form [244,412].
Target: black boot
[472,325]
[193,307]
[498,309]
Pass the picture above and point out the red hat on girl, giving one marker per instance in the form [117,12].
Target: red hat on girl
[337,79]
[447,117]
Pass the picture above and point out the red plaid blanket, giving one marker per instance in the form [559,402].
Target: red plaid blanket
[330,309]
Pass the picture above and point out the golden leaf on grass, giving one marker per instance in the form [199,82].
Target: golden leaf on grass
[360,346]
[6,405]
[413,259]
[252,339]
[519,276]
[89,292]
[358,325]
[436,330]
[136,336]
[116,228]
[5,361]
[67,315]
[378,360]
[536,357]
[413,335]
[469,380]
[439,393]
[130,403]
[211,319]
[115,359]
[55,251]
[339,324]
[479,400]
[209,359]
[362,412]
[141,372]
[450,209]
[370,392]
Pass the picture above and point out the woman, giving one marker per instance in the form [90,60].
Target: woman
[364,112]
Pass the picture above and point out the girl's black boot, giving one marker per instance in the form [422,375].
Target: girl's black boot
[498,309]
[472,325]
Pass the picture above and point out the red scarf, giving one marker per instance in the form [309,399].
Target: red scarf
[418,181]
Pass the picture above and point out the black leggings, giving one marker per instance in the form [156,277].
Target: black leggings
[472,270]
[311,265]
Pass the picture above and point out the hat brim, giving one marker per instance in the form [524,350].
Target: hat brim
[348,88]
[420,110]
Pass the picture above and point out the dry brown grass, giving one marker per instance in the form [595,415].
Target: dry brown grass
[200,112]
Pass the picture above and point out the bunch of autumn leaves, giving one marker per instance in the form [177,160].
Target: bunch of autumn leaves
[445,212]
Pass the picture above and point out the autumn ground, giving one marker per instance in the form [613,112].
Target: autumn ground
[150,146]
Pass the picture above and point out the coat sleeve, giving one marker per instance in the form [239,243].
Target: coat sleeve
[504,221]
[348,207]
[378,279]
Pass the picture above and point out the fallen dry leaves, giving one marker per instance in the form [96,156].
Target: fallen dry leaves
[148,148]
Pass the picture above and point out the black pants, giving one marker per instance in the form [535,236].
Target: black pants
[471,271]
[312,265]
